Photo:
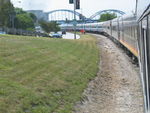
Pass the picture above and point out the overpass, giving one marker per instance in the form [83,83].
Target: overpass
[67,16]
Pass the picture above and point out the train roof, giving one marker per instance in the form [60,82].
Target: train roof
[142,8]
[129,17]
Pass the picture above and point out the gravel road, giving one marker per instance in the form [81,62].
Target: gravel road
[117,87]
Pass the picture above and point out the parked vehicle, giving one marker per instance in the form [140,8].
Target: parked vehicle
[56,35]
[63,32]
[2,32]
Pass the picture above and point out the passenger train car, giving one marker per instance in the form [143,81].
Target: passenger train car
[143,19]
[133,33]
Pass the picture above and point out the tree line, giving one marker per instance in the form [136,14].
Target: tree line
[12,17]
[107,16]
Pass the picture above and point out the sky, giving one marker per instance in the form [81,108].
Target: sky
[88,7]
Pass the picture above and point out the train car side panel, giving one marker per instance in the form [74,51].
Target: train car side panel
[144,45]
[115,28]
[128,34]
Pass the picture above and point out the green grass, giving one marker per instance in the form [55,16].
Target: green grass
[43,75]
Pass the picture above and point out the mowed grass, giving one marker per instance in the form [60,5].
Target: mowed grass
[43,75]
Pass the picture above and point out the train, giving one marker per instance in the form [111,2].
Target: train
[143,38]
[132,32]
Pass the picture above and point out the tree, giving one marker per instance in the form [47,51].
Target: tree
[7,13]
[19,11]
[107,16]
[34,18]
[49,26]
[24,20]
[15,17]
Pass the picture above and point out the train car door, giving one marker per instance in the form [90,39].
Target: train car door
[111,27]
[145,59]
[120,31]
[118,28]
[148,52]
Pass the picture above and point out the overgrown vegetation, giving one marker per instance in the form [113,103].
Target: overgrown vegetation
[43,75]
[107,16]
[24,20]
[50,26]
[15,17]
[7,13]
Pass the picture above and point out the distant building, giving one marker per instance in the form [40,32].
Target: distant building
[39,14]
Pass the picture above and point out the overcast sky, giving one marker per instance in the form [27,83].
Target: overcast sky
[88,7]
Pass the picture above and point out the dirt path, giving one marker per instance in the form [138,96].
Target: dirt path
[116,89]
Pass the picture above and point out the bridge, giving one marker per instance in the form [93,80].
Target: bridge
[67,16]
[97,15]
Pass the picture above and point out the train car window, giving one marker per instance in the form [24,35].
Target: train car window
[149,39]
[143,50]
[147,53]
[145,65]
[140,41]
[148,50]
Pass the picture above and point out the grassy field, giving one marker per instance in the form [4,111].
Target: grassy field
[43,75]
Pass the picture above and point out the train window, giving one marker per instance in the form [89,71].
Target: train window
[148,50]
[144,60]
[149,37]
[140,42]
[147,53]
[145,64]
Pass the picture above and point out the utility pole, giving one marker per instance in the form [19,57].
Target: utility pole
[76,6]
[74,19]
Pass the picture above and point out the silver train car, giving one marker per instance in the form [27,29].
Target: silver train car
[143,19]
[133,33]
[123,30]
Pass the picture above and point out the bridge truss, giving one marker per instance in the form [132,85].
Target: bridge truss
[67,16]
[97,15]
[64,15]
